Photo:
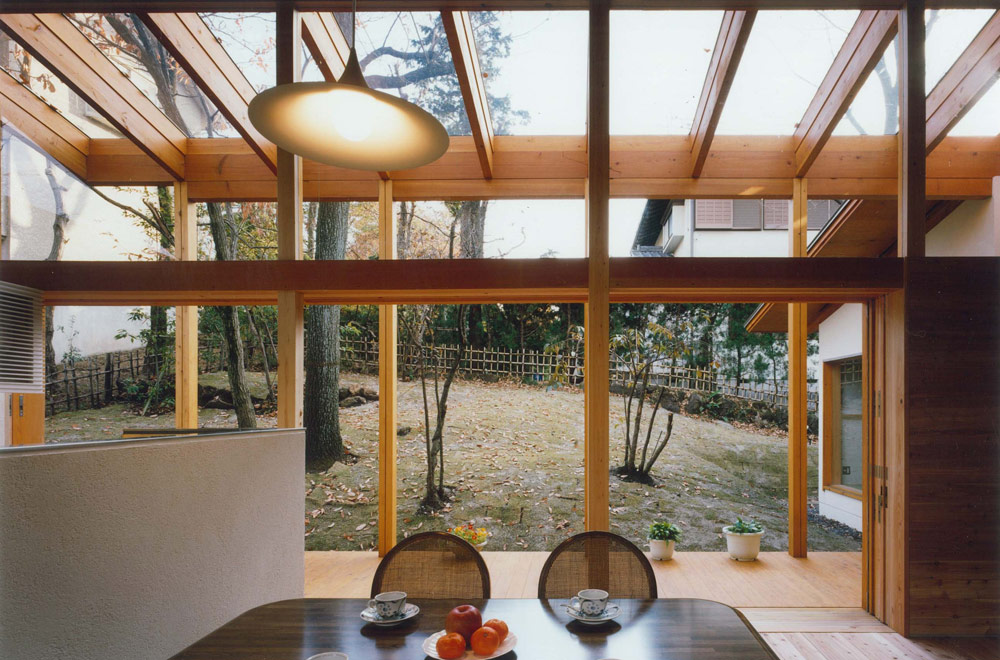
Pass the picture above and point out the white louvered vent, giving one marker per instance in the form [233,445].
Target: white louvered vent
[21,367]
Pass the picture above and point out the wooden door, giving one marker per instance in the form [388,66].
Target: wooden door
[873,492]
[27,419]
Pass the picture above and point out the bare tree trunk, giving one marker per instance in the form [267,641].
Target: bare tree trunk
[263,354]
[664,439]
[59,222]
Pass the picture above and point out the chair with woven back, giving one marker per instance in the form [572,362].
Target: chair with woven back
[433,565]
[597,560]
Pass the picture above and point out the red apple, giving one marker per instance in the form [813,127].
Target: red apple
[464,620]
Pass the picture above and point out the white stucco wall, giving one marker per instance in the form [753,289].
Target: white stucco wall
[839,337]
[970,231]
[136,549]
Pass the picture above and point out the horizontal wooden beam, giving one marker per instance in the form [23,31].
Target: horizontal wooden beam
[202,56]
[729,44]
[44,126]
[555,167]
[23,6]
[972,74]
[454,281]
[81,65]
[861,51]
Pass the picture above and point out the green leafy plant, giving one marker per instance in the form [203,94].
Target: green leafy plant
[664,531]
[745,527]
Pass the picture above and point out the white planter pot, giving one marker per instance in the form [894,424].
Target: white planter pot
[662,550]
[743,547]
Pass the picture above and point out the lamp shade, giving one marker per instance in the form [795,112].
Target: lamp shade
[348,125]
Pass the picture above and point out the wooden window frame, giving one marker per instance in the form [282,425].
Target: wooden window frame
[831,434]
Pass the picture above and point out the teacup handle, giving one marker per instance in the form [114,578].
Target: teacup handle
[574,603]
[373,604]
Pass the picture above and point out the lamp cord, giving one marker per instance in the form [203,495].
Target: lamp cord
[354,23]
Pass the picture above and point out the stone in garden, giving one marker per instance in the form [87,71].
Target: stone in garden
[353,402]
[695,403]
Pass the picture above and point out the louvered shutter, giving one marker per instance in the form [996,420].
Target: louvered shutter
[747,213]
[776,212]
[21,352]
[713,214]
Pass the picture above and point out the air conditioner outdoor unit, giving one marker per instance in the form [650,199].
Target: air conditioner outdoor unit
[21,352]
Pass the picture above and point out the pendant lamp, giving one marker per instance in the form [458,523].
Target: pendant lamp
[348,124]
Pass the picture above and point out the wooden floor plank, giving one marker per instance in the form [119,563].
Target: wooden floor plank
[878,646]
[813,619]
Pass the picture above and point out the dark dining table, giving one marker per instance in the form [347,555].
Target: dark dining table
[664,629]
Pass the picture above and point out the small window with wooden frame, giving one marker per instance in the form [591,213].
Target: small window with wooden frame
[843,429]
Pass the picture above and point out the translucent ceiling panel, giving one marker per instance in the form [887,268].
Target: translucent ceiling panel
[949,32]
[874,110]
[658,64]
[784,62]
[249,39]
[406,54]
[983,118]
[47,86]
[535,64]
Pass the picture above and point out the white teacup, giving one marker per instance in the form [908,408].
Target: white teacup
[389,604]
[590,602]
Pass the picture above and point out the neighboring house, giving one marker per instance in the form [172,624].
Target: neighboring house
[867,228]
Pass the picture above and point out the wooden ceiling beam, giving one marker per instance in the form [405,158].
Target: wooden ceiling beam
[733,34]
[465,55]
[861,51]
[972,74]
[326,43]
[54,40]
[203,57]
[44,126]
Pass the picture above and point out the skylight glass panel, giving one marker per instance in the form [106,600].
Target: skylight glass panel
[535,65]
[249,38]
[658,64]
[983,118]
[132,48]
[786,58]
[949,32]
[406,54]
[47,86]
[874,111]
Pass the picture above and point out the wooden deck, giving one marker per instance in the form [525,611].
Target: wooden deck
[807,609]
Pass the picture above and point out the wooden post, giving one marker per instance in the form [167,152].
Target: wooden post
[797,389]
[387,368]
[290,306]
[186,321]
[912,204]
[6,420]
[597,311]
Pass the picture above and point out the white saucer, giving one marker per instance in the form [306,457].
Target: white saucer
[409,611]
[611,612]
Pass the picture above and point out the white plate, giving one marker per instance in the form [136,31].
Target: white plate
[409,611]
[506,646]
[611,612]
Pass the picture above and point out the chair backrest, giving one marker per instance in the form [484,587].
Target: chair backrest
[597,560]
[433,565]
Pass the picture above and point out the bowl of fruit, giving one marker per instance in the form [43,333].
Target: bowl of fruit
[465,636]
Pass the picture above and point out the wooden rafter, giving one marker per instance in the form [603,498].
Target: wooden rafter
[54,40]
[44,126]
[862,49]
[196,49]
[461,40]
[971,75]
[326,43]
[733,34]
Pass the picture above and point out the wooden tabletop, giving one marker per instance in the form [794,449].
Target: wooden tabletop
[664,629]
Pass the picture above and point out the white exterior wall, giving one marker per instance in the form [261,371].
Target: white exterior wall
[970,231]
[839,337]
[137,549]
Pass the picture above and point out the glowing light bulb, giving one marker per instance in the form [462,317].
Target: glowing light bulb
[353,115]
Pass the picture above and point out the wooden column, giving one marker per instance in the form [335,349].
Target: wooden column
[387,379]
[6,421]
[996,216]
[186,321]
[290,306]
[912,132]
[797,392]
[597,310]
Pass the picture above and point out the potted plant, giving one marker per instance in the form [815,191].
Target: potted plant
[662,536]
[743,539]
[477,536]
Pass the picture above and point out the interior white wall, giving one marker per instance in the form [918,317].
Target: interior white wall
[5,420]
[136,549]
[839,337]
[971,230]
